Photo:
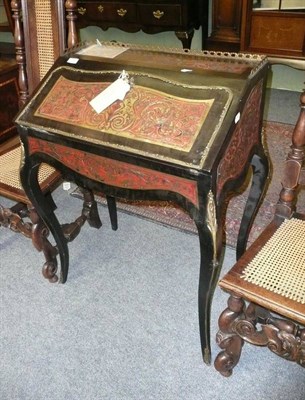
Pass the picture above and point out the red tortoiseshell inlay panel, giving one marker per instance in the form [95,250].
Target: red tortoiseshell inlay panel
[115,173]
[145,114]
[245,136]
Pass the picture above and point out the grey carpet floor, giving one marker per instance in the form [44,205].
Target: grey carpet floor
[124,326]
[282,106]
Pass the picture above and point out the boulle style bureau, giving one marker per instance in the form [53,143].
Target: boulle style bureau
[180,16]
[188,130]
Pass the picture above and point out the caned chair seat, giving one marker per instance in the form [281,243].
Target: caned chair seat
[275,277]
[10,185]
[266,306]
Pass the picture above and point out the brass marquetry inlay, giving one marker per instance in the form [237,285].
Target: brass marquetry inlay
[99,74]
[145,114]
[100,8]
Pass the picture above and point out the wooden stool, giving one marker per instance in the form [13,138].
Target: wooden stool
[267,285]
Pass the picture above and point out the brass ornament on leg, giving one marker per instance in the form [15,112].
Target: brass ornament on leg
[212,223]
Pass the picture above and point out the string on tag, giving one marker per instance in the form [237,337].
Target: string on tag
[117,90]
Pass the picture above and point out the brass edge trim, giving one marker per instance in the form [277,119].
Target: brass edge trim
[208,53]
[245,57]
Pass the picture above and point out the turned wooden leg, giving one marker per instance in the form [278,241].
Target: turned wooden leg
[227,339]
[90,211]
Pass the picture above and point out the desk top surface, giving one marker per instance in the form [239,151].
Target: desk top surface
[179,108]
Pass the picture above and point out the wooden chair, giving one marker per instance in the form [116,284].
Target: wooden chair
[21,216]
[267,284]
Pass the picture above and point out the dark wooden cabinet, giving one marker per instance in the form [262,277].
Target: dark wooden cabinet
[274,28]
[277,33]
[9,93]
[226,26]
[180,16]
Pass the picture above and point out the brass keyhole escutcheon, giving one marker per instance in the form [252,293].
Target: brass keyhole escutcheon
[100,8]
[82,10]
[122,12]
[158,14]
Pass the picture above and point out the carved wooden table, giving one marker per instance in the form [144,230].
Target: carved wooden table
[187,131]
[180,16]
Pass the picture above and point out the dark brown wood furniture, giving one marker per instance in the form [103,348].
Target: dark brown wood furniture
[180,16]
[226,26]
[188,131]
[9,98]
[277,30]
[6,22]
[267,285]
[43,36]
[6,25]
[9,90]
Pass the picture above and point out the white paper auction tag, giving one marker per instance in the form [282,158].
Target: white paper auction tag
[115,91]
[73,60]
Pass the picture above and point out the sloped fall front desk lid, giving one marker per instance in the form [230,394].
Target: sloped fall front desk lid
[157,118]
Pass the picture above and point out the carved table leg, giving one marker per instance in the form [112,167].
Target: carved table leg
[209,233]
[185,37]
[227,339]
[260,167]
